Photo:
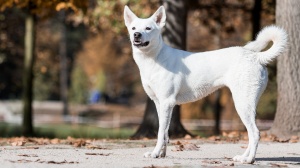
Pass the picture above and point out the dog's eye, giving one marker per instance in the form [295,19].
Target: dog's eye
[133,28]
[148,28]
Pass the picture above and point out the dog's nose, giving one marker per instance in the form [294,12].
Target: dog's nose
[137,35]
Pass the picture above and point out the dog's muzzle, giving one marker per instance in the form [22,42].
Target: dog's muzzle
[137,40]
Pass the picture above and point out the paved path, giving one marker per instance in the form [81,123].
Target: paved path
[129,153]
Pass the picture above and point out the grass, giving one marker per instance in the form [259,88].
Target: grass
[65,130]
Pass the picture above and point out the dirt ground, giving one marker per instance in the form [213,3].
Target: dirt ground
[211,152]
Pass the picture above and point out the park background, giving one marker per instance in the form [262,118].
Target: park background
[66,67]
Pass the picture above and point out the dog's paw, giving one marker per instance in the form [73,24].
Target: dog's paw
[243,159]
[147,154]
[162,154]
[154,155]
[150,155]
[237,158]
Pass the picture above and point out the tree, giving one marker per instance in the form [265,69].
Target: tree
[28,74]
[287,117]
[174,35]
[32,9]
[63,66]
[256,18]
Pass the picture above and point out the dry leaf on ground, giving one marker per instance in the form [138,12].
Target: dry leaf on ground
[61,162]
[294,139]
[212,161]
[294,153]
[56,162]
[278,165]
[31,147]
[214,138]
[20,161]
[181,146]
[18,143]
[101,154]
[28,155]
[94,147]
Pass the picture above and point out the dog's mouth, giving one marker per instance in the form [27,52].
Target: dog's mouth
[139,43]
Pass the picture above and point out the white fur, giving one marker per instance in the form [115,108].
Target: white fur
[171,76]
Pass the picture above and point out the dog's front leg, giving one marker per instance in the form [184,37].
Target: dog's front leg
[164,148]
[165,114]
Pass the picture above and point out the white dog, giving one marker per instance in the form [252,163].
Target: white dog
[171,76]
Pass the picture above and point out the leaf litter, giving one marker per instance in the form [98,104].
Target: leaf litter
[41,161]
[185,146]
[100,154]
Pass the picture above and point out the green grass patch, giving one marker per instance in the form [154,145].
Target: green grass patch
[65,130]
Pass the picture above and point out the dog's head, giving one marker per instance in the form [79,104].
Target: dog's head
[144,32]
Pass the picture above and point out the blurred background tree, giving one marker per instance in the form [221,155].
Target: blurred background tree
[33,9]
[287,118]
[99,60]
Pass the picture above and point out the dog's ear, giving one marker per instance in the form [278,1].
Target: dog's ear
[129,16]
[160,16]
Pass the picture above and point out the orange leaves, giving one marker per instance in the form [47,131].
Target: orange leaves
[187,146]
[45,8]
[272,138]
[18,143]
[28,142]
[75,5]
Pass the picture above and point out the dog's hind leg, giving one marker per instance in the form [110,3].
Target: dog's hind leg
[245,103]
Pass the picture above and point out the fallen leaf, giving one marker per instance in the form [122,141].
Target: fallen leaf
[244,147]
[20,161]
[31,147]
[101,154]
[278,165]
[283,140]
[233,134]
[215,138]
[294,139]
[28,155]
[143,146]
[18,143]
[39,141]
[230,164]
[55,141]
[181,146]
[94,147]
[211,161]
[61,162]
[293,153]
[187,136]
[227,158]
[79,143]
[54,162]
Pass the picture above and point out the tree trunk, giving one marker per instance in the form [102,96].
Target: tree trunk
[174,35]
[63,67]
[256,18]
[149,126]
[28,75]
[287,118]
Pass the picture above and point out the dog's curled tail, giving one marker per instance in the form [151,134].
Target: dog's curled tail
[271,33]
